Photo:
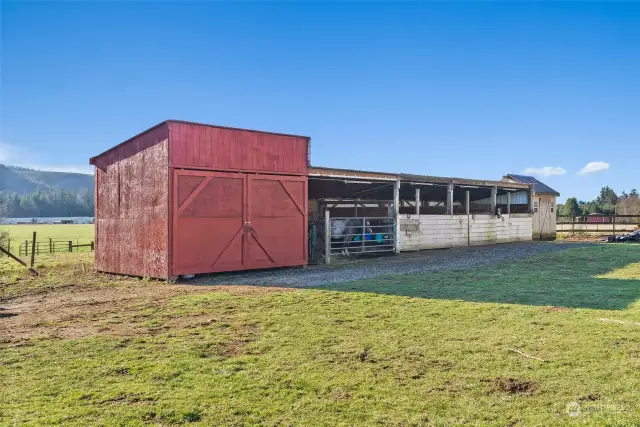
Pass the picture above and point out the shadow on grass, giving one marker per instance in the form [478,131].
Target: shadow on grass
[565,278]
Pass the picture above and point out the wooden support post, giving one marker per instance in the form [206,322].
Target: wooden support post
[467,203]
[327,237]
[70,245]
[614,221]
[418,201]
[50,245]
[530,201]
[494,199]
[450,199]
[18,260]
[509,203]
[396,214]
[33,250]
[26,248]
[93,246]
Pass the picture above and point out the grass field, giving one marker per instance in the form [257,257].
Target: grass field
[22,232]
[78,233]
[549,340]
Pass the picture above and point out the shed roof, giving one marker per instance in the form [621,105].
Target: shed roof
[538,187]
[352,173]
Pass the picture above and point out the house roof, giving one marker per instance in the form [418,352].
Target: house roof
[538,187]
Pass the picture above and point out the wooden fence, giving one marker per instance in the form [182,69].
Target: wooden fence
[26,247]
[609,224]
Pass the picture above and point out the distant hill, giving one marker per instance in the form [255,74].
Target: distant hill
[22,180]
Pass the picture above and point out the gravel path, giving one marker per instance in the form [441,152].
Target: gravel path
[405,263]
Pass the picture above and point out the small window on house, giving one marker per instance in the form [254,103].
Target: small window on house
[551,206]
[535,207]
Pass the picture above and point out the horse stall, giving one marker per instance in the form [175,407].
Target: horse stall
[351,213]
[439,212]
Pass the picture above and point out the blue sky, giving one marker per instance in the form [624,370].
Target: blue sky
[454,89]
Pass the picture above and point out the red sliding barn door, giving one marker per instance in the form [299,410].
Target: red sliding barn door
[236,221]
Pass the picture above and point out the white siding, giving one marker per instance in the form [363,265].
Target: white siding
[447,231]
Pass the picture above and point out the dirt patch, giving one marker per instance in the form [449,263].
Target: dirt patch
[513,385]
[554,308]
[124,309]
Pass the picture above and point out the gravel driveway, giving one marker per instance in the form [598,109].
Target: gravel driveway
[405,263]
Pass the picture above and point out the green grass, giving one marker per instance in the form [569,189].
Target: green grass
[22,232]
[429,349]
[61,233]
[579,278]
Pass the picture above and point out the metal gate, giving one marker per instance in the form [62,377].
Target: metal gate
[237,221]
[359,235]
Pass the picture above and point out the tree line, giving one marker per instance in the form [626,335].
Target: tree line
[47,202]
[608,202]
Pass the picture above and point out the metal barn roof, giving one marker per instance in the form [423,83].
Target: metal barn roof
[538,187]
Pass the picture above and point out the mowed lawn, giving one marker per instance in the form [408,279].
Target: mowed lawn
[549,340]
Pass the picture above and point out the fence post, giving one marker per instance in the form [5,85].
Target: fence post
[50,245]
[396,216]
[93,246]
[467,202]
[70,245]
[327,237]
[33,249]
[364,232]
[26,248]
[614,222]
[573,225]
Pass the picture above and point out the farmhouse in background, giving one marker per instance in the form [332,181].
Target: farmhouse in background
[544,206]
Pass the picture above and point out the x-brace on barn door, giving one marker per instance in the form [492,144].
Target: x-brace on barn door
[236,221]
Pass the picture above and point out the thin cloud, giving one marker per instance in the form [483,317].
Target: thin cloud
[593,167]
[15,156]
[545,171]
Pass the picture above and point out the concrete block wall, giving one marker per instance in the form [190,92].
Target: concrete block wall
[448,231]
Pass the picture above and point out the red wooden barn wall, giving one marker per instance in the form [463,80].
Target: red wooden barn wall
[217,148]
[132,206]
[135,195]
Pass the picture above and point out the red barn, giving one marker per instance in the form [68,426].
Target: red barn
[186,198]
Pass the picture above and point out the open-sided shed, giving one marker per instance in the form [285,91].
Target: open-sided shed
[187,198]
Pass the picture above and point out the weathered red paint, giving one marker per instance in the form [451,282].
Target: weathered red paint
[217,148]
[132,212]
[178,199]
[237,221]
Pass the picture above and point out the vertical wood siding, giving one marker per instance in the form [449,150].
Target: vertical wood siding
[195,146]
[132,209]
[132,146]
